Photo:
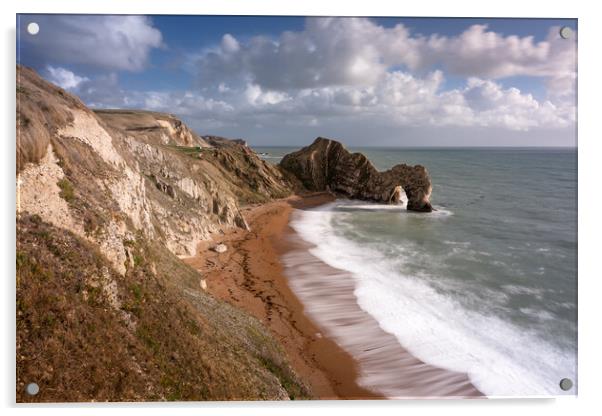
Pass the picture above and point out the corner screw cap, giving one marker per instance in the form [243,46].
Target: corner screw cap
[566,384]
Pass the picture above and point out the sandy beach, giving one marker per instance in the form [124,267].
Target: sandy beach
[336,352]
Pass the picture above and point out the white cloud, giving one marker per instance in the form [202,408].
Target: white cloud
[184,103]
[509,108]
[64,78]
[257,97]
[109,42]
[356,51]
[106,92]
[562,87]
[398,99]
[354,69]
[222,87]
[401,99]
[230,44]
[483,53]
[350,71]
[103,92]
[328,52]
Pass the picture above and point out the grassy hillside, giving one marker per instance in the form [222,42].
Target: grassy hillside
[152,335]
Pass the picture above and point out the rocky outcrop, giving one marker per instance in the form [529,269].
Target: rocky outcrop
[131,172]
[218,141]
[161,127]
[107,201]
[220,248]
[326,165]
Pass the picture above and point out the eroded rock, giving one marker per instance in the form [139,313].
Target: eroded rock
[220,248]
[326,165]
[131,173]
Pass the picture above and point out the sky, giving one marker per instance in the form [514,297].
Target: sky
[282,81]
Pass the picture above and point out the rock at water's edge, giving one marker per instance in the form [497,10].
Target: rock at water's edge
[326,165]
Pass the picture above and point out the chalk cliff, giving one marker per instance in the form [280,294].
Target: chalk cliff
[106,203]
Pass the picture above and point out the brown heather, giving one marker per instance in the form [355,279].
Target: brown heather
[166,341]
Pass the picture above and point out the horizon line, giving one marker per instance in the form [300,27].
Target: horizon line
[432,146]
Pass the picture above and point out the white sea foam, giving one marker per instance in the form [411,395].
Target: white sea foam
[500,358]
[538,314]
[456,243]
[351,206]
[521,290]
[370,207]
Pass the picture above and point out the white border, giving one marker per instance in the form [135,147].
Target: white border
[590,175]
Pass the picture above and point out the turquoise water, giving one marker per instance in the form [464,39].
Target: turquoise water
[487,284]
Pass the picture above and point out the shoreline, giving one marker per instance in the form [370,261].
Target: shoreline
[250,276]
[385,365]
[330,350]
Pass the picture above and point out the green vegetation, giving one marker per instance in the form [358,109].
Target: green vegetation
[138,259]
[287,380]
[22,90]
[194,151]
[137,291]
[67,190]
[22,259]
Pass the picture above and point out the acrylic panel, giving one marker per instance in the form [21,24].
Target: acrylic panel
[275,208]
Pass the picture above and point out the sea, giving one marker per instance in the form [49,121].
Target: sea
[485,285]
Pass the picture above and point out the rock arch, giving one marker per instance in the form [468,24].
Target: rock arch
[327,165]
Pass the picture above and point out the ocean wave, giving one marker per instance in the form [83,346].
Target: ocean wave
[500,358]
[355,206]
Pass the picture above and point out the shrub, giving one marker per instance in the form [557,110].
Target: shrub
[67,190]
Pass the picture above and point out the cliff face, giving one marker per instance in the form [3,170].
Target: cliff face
[130,171]
[222,141]
[106,202]
[327,165]
[156,128]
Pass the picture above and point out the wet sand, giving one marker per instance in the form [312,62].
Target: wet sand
[335,347]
